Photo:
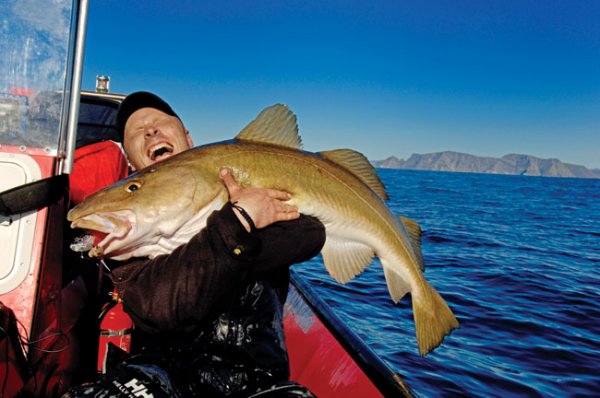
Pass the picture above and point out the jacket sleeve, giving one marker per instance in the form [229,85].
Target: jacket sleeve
[200,278]
[289,242]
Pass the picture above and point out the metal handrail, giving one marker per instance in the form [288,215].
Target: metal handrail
[66,165]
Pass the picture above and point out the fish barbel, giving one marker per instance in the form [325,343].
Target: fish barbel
[162,206]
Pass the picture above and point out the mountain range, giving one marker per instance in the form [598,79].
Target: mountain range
[508,164]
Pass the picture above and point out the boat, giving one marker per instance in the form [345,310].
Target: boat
[54,140]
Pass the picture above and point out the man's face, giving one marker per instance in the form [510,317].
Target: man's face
[151,135]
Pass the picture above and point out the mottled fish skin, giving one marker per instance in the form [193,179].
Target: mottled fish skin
[161,207]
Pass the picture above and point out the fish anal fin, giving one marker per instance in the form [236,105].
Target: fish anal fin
[345,259]
[357,164]
[397,285]
[414,233]
[275,125]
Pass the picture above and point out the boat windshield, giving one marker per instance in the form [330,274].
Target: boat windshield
[35,42]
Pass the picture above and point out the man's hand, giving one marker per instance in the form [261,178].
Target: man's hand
[264,206]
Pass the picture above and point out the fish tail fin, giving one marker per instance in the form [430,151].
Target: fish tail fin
[434,320]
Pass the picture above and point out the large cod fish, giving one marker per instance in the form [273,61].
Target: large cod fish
[161,207]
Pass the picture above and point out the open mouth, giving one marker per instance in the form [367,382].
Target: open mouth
[106,231]
[159,151]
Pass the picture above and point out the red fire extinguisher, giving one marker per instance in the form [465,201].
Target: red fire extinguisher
[115,327]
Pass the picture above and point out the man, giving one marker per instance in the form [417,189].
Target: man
[208,316]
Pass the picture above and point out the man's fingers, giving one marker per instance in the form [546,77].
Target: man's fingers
[265,206]
[285,208]
[229,181]
[233,187]
[288,216]
[279,195]
[291,209]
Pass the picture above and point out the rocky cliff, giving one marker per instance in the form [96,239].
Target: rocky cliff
[508,164]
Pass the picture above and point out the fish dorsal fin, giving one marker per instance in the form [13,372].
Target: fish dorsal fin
[345,259]
[274,125]
[357,164]
[414,233]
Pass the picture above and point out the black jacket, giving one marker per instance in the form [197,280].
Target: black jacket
[211,311]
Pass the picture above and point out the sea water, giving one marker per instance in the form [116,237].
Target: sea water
[517,258]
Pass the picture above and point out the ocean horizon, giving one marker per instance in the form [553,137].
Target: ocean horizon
[516,258]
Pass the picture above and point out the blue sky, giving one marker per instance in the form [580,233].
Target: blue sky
[382,77]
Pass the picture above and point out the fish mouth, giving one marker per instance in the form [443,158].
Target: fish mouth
[160,151]
[110,230]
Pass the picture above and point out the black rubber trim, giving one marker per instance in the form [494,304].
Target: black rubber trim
[33,196]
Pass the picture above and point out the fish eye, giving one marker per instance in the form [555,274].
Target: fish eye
[133,186]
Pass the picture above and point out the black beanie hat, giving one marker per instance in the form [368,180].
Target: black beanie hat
[139,100]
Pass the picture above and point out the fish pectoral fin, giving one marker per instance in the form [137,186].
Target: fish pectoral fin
[357,164]
[345,259]
[414,233]
[275,125]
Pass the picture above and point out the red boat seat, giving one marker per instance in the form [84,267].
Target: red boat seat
[96,166]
